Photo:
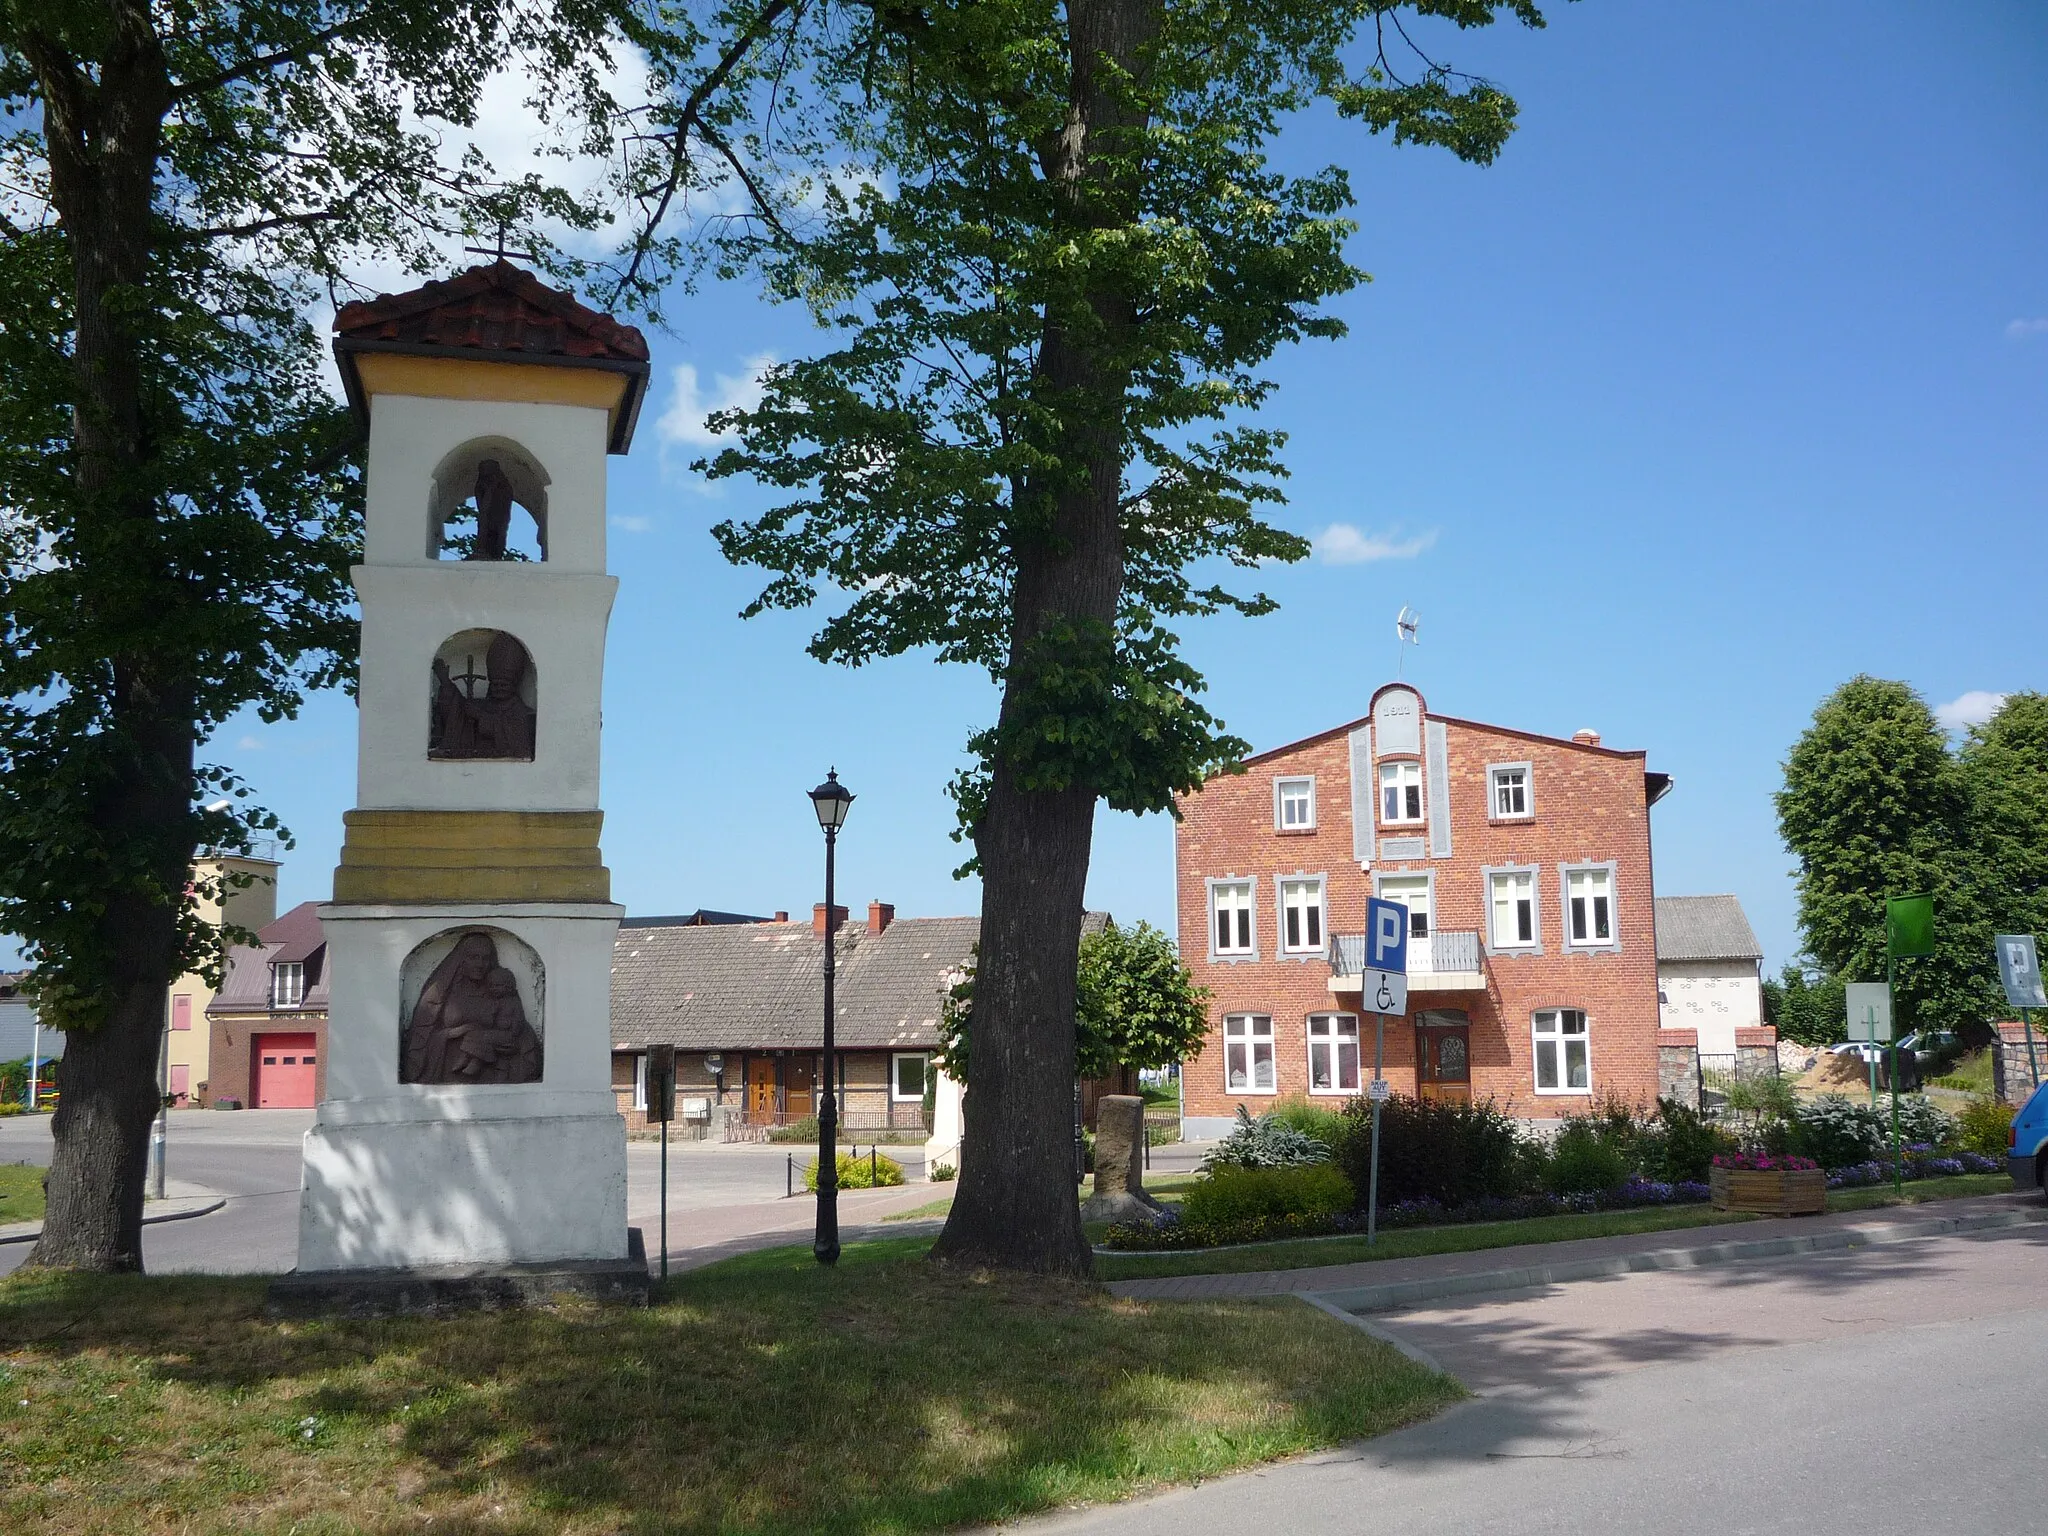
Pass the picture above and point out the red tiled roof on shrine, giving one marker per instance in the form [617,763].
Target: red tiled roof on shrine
[496,312]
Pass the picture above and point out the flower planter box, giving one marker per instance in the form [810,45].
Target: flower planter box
[1792,1192]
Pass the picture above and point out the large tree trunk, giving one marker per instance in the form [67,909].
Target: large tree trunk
[1017,1206]
[103,125]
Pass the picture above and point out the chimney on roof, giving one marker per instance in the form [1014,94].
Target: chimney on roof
[781,917]
[1586,736]
[880,915]
[818,919]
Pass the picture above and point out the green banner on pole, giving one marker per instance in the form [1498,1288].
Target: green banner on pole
[1909,926]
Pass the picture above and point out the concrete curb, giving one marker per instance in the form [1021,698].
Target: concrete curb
[1421,1357]
[1403,1295]
[190,1206]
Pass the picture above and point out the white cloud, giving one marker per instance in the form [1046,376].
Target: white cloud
[631,524]
[683,421]
[1973,708]
[1343,544]
[2021,330]
[249,744]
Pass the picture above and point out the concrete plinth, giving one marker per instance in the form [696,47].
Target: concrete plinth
[460,1287]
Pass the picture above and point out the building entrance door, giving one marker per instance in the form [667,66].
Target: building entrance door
[761,1090]
[1443,1055]
[797,1076]
[285,1073]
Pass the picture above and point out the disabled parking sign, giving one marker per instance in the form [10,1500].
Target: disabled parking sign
[1384,987]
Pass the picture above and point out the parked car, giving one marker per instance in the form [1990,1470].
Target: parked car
[2027,1159]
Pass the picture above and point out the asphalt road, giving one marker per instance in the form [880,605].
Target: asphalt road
[1892,1390]
[252,1157]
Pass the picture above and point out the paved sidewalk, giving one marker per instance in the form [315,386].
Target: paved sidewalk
[181,1202]
[697,1238]
[1383,1284]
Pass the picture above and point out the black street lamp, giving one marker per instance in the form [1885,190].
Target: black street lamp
[830,800]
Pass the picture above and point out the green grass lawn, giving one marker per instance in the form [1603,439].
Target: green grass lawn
[21,1193]
[762,1395]
[1419,1242]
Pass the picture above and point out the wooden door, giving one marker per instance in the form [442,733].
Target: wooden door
[1443,1062]
[761,1089]
[798,1076]
[285,1072]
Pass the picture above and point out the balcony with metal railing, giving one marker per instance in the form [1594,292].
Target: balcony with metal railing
[1445,961]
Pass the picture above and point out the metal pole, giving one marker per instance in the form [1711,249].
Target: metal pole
[872,1152]
[1372,1198]
[159,1138]
[1891,994]
[664,1199]
[35,1065]
[2033,1066]
[825,1245]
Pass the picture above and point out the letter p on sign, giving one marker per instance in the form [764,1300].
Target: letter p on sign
[1386,935]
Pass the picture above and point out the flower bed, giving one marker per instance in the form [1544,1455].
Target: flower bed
[1920,1163]
[1763,1162]
[1174,1235]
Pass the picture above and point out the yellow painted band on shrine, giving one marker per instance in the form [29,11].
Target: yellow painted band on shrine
[456,378]
[466,856]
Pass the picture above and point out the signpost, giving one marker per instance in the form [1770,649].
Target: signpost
[1385,991]
[1908,933]
[2019,967]
[1870,1022]
[661,1108]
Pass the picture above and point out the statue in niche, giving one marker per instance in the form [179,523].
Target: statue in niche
[496,723]
[493,495]
[469,1025]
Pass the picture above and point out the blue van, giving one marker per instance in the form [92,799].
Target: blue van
[2027,1160]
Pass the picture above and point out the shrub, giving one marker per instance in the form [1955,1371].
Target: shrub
[1836,1131]
[1985,1128]
[1683,1143]
[14,1079]
[943,1173]
[1321,1121]
[797,1130]
[1448,1150]
[1583,1161]
[854,1172]
[1921,1120]
[1239,1194]
[12,1107]
[1266,1143]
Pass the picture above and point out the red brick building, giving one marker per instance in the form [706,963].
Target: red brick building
[269,1019]
[1525,863]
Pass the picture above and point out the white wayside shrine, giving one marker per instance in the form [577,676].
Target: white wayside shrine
[469,1147]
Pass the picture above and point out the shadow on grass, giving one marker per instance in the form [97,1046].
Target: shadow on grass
[761,1395]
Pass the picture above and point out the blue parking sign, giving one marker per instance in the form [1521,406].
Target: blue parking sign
[1386,935]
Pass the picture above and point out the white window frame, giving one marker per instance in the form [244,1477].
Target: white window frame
[1559,1039]
[1246,1042]
[1342,1028]
[280,970]
[896,1095]
[640,1082]
[1495,772]
[1306,783]
[1249,926]
[1533,945]
[1316,916]
[1427,877]
[1402,776]
[1565,874]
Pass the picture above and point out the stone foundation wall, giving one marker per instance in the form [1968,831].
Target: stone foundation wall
[2011,1077]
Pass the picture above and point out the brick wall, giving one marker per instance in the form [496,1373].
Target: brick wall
[230,1062]
[1589,808]
[2014,1080]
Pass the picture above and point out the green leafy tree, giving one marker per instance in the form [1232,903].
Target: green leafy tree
[2005,765]
[1874,805]
[185,180]
[1059,255]
[1807,1006]
[1137,1007]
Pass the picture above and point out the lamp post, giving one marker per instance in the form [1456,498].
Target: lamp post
[830,800]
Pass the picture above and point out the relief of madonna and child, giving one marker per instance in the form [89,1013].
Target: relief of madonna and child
[470,1025]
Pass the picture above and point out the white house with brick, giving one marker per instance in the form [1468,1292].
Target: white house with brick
[1709,970]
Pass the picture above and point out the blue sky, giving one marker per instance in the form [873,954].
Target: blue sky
[1727,382]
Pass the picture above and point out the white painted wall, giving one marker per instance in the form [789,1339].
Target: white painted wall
[18,1033]
[1715,997]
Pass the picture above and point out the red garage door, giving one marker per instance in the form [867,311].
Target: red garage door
[284,1072]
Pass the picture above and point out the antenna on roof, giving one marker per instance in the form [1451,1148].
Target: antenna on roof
[1407,632]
